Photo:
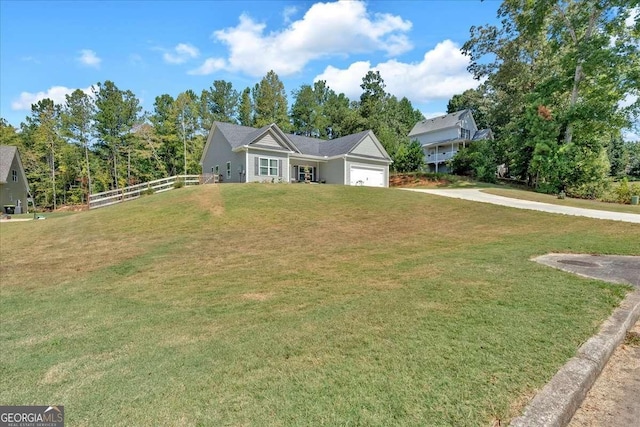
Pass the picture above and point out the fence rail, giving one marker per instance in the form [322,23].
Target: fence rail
[132,192]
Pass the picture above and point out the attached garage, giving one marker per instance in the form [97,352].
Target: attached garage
[367,176]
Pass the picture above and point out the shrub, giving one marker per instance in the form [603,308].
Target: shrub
[589,190]
[179,183]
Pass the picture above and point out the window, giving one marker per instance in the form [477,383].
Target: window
[228,170]
[216,170]
[465,133]
[14,175]
[268,167]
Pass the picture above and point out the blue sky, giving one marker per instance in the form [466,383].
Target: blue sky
[48,49]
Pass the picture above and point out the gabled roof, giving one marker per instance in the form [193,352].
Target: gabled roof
[328,148]
[239,136]
[7,154]
[482,134]
[437,123]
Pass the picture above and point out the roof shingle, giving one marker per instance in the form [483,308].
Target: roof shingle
[7,153]
[437,123]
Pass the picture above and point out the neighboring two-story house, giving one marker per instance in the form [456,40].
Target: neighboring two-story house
[14,188]
[442,137]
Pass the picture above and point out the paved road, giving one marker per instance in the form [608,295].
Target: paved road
[477,196]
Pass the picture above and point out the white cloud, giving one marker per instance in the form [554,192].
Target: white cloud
[55,93]
[89,58]
[441,74]
[288,12]
[431,115]
[634,15]
[326,29]
[181,53]
[628,100]
[210,66]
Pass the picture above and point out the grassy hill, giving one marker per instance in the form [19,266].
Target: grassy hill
[294,305]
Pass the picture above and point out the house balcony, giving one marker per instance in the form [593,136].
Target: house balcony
[440,157]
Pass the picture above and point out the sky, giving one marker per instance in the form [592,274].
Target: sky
[48,49]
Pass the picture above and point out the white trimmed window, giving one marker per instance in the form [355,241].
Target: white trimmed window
[14,175]
[216,169]
[228,170]
[268,167]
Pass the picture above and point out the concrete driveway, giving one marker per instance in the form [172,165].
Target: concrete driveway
[476,195]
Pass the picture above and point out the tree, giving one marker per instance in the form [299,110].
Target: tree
[342,118]
[245,110]
[116,113]
[633,148]
[477,160]
[165,125]
[270,102]
[186,106]
[577,59]
[43,128]
[304,111]
[77,117]
[476,100]
[618,154]
[219,104]
[409,157]
[8,134]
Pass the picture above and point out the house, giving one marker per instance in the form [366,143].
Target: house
[14,188]
[442,137]
[245,154]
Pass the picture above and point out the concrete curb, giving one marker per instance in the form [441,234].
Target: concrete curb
[556,403]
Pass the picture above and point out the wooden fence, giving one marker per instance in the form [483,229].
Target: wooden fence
[132,192]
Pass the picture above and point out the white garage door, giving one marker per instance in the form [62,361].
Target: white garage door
[369,177]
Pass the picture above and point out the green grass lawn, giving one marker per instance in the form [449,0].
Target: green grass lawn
[553,199]
[295,305]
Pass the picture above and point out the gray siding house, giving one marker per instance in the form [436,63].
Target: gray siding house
[442,137]
[14,188]
[245,154]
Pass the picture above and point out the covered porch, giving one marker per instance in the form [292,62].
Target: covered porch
[305,170]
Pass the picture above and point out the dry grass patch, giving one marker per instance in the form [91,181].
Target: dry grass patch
[257,296]
[282,304]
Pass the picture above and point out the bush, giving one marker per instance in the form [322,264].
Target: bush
[589,190]
[477,160]
[179,183]
[622,192]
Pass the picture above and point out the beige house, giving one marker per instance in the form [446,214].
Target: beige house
[14,188]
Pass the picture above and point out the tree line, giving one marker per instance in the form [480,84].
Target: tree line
[104,140]
[558,84]
[559,79]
